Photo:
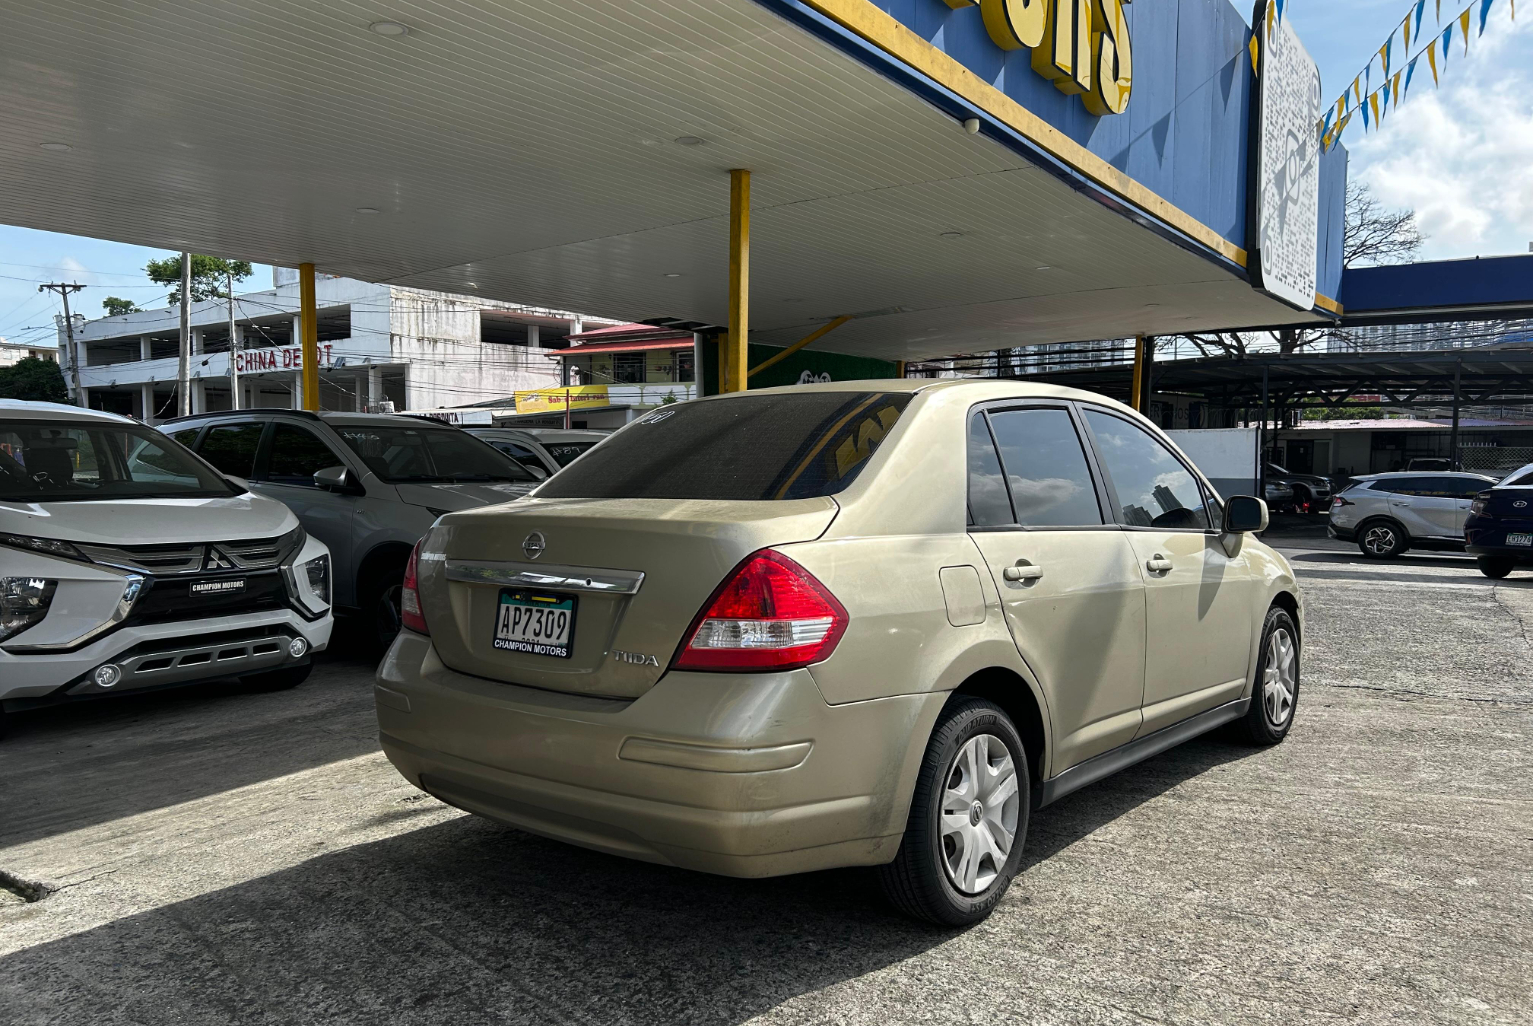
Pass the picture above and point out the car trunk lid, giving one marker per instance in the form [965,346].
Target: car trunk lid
[631,573]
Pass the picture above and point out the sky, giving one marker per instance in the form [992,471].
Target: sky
[1460,156]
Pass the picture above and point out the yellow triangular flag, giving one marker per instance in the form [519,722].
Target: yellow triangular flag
[1357,89]
[1463,26]
[1432,60]
[1407,24]
[1439,12]
[1255,53]
[1271,16]
[1373,101]
[1395,86]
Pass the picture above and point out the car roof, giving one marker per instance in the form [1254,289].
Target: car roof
[26,409]
[334,419]
[1392,474]
[1516,473]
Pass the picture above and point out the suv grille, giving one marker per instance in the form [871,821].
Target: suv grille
[170,560]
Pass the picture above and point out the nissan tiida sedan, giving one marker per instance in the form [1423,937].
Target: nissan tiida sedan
[863,623]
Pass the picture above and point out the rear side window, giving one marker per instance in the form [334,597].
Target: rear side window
[784,446]
[1154,489]
[186,436]
[231,447]
[296,453]
[989,502]
[1046,468]
[1401,485]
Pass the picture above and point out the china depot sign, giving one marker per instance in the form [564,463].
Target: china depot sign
[254,361]
[1082,46]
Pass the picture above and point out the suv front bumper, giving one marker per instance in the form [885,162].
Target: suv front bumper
[739,774]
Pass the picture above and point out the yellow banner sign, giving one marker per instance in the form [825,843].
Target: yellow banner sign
[557,400]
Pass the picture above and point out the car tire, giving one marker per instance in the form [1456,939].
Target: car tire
[278,680]
[924,880]
[1495,567]
[1382,539]
[1275,690]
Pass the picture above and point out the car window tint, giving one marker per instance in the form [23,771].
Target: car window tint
[989,505]
[1154,489]
[186,436]
[296,453]
[231,447]
[1403,485]
[1046,468]
[745,447]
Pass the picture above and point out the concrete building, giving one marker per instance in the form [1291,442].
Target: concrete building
[380,347]
[12,353]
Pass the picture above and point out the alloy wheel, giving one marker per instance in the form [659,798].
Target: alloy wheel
[979,813]
[1280,677]
[1379,540]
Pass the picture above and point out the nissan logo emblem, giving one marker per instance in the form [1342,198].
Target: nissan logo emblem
[534,545]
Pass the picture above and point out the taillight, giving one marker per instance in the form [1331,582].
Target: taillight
[1339,502]
[410,613]
[1478,507]
[769,614]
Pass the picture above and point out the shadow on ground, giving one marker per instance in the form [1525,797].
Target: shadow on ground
[468,922]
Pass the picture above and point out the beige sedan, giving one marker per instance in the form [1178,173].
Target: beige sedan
[863,623]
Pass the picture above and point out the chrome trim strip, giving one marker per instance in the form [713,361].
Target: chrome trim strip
[133,587]
[529,575]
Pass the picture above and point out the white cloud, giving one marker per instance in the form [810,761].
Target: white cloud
[1462,156]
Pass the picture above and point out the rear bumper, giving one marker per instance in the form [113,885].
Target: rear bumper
[1487,537]
[1341,533]
[738,774]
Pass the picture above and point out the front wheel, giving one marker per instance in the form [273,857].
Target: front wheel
[1495,567]
[1275,693]
[968,818]
[1382,539]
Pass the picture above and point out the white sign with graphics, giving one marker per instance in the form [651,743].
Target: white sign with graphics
[1287,173]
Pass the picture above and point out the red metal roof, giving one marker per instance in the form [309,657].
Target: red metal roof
[630,333]
[587,348]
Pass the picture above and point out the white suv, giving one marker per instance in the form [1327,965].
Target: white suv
[1385,514]
[128,563]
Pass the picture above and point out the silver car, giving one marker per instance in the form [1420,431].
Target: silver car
[1385,514]
[546,448]
[367,485]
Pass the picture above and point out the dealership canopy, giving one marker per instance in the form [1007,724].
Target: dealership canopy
[944,174]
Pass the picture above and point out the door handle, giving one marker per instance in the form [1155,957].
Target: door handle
[1158,564]
[1023,571]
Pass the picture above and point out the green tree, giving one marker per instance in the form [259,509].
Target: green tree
[209,275]
[117,307]
[35,379]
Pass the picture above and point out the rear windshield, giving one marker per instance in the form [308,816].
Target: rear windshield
[57,461]
[564,453]
[784,446]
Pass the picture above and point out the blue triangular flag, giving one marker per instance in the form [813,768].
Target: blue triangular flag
[1484,13]
[1421,8]
[1280,5]
[1410,72]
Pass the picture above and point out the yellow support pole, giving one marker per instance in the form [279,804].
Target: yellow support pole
[309,326]
[734,377]
[1134,398]
[819,332]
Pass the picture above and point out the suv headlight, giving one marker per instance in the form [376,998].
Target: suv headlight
[317,570]
[46,546]
[24,601]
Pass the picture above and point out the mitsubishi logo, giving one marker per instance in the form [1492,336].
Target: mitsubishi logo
[216,560]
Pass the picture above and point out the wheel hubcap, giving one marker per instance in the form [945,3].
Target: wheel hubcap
[980,802]
[1280,678]
[1379,540]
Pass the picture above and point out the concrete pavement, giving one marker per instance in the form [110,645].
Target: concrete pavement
[230,858]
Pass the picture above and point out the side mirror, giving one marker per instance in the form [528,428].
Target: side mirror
[339,480]
[1245,514]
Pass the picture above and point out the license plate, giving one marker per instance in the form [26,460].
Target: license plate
[226,587]
[1519,539]
[535,622]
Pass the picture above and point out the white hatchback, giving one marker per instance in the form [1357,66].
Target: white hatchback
[127,563]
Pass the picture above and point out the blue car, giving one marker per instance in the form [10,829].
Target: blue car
[1499,528]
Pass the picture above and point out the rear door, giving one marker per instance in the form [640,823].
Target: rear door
[231,446]
[1073,598]
[1426,505]
[1198,597]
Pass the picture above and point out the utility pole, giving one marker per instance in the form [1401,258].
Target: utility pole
[234,344]
[184,367]
[76,393]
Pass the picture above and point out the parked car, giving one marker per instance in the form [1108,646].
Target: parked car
[1279,494]
[128,563]
[1432,463]
[548,448]
[1311,492]
[785,630]
[1386,514]
[1498,530]
[368,485]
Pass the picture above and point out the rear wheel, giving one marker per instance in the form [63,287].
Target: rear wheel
[1382,539]
[968,818]
[1495,567]
[1275,695]
[278,680]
